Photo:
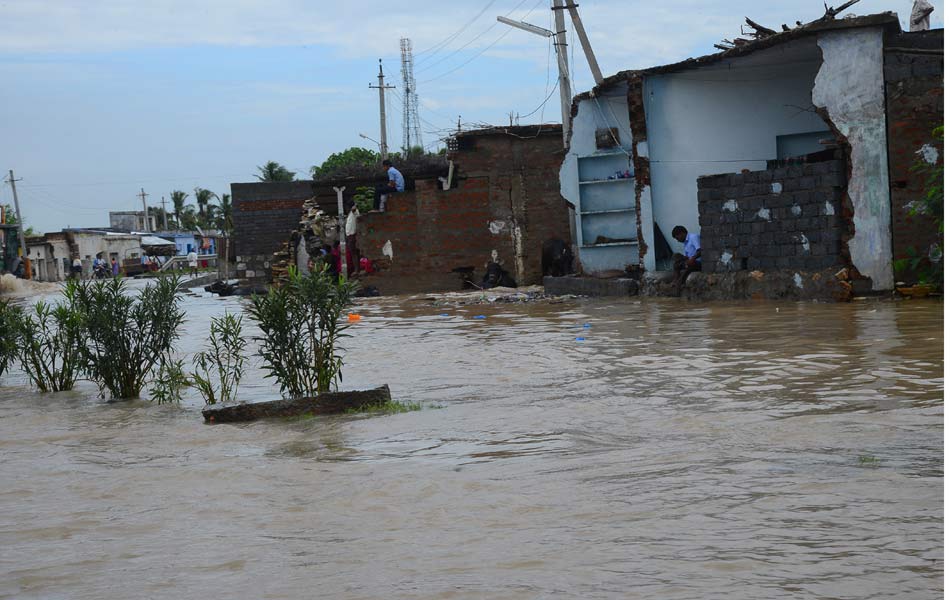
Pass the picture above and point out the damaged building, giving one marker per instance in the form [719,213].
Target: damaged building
[790,154]
[495,198]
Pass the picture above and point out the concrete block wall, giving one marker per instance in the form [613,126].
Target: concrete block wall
[265,215]
[913,75]
[784,218]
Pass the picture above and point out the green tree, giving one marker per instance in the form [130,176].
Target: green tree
[347,158]
[203,197]
[189,218]
[178,201]
[225,214]
[274,171]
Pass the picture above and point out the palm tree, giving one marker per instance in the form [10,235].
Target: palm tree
[203,198]
[178,200]
[274,171]
[225,212]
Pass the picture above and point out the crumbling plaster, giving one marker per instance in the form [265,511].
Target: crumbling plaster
[849,88]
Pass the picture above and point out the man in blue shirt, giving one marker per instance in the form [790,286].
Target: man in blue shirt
[395,184]
[691,258]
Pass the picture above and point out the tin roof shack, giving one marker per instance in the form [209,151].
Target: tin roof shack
[783,95]
[498,200]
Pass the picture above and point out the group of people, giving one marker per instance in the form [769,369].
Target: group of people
[101,268]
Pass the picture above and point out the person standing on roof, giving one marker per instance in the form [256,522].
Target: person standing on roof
[395,184]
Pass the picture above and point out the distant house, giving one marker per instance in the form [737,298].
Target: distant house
[131,221]
[790,152]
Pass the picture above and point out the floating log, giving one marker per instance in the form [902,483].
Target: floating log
[328,403]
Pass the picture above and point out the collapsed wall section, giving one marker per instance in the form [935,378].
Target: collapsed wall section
[849,91]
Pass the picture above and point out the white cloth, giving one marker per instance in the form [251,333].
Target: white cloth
[351,222]
[920,15]
[192,259]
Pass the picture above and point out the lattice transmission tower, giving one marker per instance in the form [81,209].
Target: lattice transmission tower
[411,135]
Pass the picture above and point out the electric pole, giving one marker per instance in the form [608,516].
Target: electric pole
[164,215]
[383,148]
[143,195]
[585,43]
[560,49]
[560,45]
[19,215]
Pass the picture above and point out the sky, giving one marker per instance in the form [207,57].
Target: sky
[102,99]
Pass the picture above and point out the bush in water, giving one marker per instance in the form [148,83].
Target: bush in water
[300,323]
[10,319]
[219,369]
[169,381]
[50,345]
[128,338]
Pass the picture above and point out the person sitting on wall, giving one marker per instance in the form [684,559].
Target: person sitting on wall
[690,260]
[395,184]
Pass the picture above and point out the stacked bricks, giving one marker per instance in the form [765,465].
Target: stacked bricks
[913,75]
[784,218]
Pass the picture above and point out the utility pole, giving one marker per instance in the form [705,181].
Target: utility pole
[19,215]
[585,43]
[143,195]
[164,215]
[383,148]
[560,49]
[564,74]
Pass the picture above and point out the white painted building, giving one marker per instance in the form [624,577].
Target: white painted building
[776,97]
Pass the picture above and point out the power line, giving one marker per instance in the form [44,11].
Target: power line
[484,50]
[449,39]
[471,41]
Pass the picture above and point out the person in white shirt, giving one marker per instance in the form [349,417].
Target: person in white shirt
[350,229]
[691,260]
[193,262]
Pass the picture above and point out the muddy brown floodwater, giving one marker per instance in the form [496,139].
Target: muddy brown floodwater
[679,450]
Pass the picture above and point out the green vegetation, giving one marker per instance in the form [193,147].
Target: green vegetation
[219,369]
[10,319]
[869,461]
[49,346]
[391,407]
[928,266]
[341,160]
[169,381]
[127,339]
[301,327]
[274,171]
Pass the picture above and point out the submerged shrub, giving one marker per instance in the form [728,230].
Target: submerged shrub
[300,326]
[128,337]
[219,369]
[170,380]
[51,344]
[11,318]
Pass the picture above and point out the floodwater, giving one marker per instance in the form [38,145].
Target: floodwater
[758,450]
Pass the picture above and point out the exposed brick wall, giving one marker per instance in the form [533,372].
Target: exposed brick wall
[783,218]
[524,193]
[432,232]
[265,214]
[913,74]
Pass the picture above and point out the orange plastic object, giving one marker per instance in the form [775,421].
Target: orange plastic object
[354,317]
